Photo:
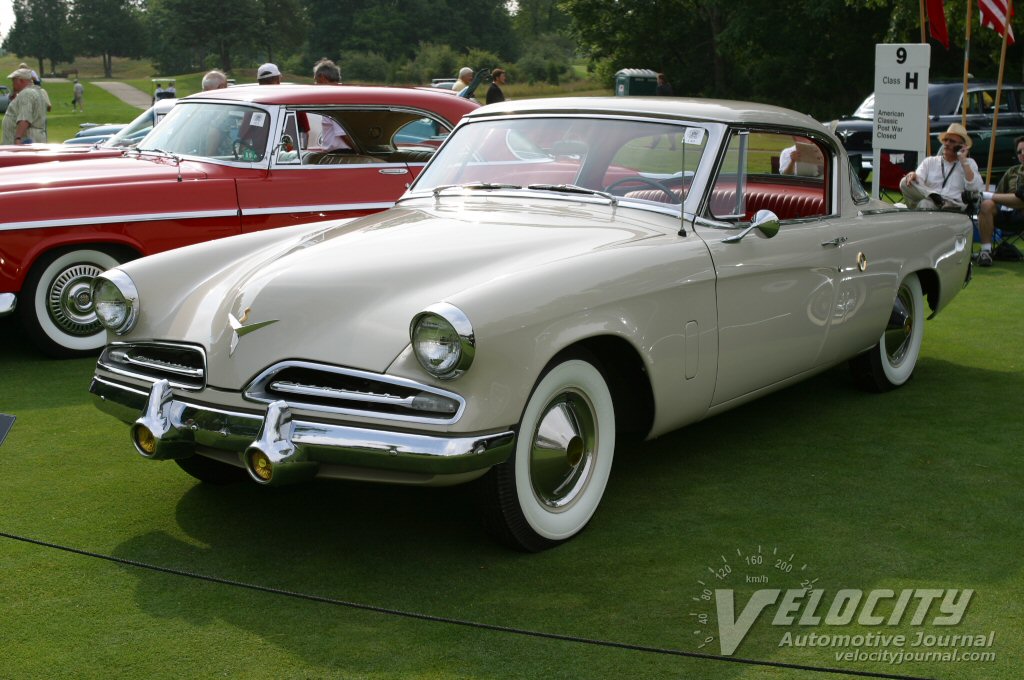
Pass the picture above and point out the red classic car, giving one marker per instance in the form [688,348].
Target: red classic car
[221,163]
[75,150]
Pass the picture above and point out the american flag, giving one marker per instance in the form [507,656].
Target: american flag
[994,13]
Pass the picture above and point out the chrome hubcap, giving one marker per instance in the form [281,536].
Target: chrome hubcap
[563,450]
[69,301]
[900,328]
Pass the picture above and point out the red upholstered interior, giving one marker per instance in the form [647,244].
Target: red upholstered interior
[786,202]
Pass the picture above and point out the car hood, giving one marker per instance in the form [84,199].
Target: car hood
[41,153]
[346,294]
[97,172]
[85,189]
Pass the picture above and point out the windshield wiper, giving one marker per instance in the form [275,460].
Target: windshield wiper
[475,185]
[574,189]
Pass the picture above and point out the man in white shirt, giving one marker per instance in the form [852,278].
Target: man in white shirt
[940,180]
[333,136]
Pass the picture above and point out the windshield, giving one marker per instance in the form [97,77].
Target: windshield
[632,159]
[228,132]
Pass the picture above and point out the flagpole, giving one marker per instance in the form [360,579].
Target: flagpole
[924,39]
[999,92]
[967,64]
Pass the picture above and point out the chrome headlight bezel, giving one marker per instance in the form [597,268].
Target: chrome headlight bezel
[446,321]
[123,294]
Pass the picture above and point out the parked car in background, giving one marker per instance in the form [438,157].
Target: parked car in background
[126,137]
[5,98]
[945,103]
[221,163]
[564,272]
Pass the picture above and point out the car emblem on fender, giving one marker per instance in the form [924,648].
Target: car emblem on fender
[238,327]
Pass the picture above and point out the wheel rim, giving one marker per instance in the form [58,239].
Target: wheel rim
[69,300]
[900,329]
[563,450]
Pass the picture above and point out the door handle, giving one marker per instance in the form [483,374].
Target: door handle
[393,171]
[836,242]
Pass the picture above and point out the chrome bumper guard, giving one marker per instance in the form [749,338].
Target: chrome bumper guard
[276,448]
[8,301]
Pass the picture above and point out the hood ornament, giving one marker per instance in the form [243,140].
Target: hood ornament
[238,327]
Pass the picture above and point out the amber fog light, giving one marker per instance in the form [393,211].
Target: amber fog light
[144,440]
[260,466]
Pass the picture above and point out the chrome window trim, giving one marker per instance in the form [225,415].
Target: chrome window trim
[261,381]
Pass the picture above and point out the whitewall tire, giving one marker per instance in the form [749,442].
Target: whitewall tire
[549,489]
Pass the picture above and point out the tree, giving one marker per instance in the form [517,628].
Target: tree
[107,28]
[40,31]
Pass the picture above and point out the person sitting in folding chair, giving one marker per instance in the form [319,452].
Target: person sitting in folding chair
[940,180]
[1004,208]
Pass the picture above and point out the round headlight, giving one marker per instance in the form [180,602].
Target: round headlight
[442,340]
[116,301]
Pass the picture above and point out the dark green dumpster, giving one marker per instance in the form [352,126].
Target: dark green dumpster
[636,82]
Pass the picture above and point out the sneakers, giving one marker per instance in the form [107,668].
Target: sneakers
[985,258]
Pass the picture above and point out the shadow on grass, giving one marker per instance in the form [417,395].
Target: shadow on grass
[869,490]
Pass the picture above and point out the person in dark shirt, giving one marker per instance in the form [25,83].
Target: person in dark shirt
[494,93]
[664,87]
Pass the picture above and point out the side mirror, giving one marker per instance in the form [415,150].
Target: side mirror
[764,221]
[287,143]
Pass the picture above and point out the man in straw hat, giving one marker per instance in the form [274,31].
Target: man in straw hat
[940,180]
[25,120]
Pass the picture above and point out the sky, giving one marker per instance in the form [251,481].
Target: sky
[6,16]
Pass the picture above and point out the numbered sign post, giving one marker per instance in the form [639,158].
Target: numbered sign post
[901,106]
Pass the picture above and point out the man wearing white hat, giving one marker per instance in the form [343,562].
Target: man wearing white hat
[268,74]
[25,120]
[940,180]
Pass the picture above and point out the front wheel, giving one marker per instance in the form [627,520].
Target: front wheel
[551,486]
[58,310]
[891,362]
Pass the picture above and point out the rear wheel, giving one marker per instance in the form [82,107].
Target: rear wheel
[58,310]
[891,362]
[549,489]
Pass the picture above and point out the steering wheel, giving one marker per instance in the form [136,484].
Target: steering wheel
[653,183]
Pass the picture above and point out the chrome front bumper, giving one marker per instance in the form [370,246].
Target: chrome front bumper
[175,428]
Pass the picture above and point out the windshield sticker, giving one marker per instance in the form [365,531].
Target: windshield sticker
[259,118]
[693,136]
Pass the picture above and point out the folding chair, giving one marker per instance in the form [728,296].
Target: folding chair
[892,166]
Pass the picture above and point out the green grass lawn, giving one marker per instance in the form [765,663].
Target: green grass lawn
[918,488]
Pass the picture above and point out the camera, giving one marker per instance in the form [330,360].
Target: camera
[956,149]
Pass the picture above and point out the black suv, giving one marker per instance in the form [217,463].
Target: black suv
[944,106]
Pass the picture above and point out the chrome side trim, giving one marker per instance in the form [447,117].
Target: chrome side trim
[204,426]
[8,301]
[115,219]
[335,207]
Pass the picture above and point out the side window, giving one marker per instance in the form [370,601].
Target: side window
[785,173]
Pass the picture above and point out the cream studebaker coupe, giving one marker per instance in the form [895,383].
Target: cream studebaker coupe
[564,272]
